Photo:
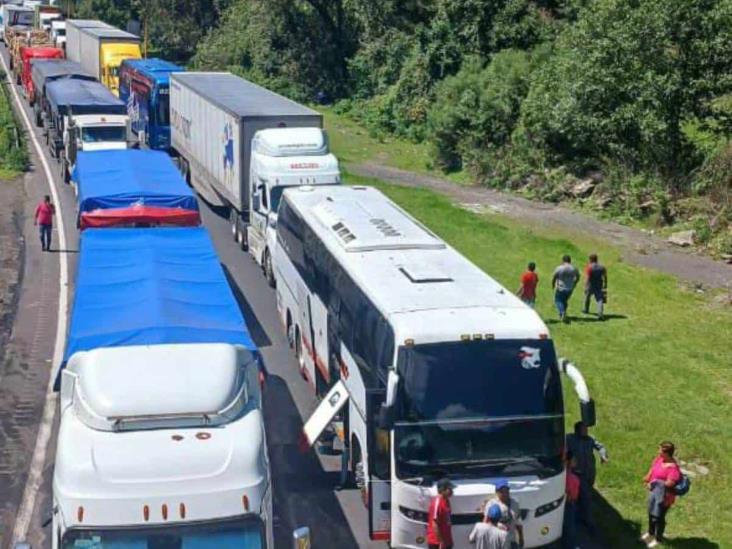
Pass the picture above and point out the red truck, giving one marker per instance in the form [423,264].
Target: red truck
[28,54]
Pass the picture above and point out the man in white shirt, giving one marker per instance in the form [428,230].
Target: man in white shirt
[510,513]
[489,535]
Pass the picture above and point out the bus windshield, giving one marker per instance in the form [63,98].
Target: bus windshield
[495,404]
[162,116]
[242,533]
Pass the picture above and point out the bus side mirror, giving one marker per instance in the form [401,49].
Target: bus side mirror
[388,408]
[587,411]
[301,538]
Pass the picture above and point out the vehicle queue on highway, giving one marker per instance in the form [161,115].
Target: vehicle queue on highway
[427,368]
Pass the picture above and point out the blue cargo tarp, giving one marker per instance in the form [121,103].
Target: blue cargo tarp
[82,97]
[121,178]
[151,286]
[44,71]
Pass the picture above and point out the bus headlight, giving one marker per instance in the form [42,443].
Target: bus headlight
[412,514]
[548,507]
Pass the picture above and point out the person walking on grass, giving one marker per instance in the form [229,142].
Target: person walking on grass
[510,513]
[660,480]
[583,447]
[490,534]
[595,286]
[439,522]
[44,219]
[529,282]
[564,280]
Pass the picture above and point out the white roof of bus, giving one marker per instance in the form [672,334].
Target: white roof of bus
[421,283]
[113,475]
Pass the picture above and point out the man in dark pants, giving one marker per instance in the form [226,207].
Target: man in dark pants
[44,218]
[595,285]
[582,447]
[439,520]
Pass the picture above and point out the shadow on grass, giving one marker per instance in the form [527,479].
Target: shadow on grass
[591,319]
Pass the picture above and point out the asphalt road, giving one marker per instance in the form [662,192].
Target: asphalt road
[304,483]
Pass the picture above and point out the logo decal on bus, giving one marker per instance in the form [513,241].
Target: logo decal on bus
[530,358]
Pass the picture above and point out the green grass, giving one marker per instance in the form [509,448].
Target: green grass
[13,158]
[659,368]
[353,144]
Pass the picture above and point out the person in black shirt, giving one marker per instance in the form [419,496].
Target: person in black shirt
[595,286]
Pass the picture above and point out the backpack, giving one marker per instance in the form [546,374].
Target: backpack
[682,487]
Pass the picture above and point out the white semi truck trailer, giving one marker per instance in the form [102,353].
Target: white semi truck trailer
[240,145]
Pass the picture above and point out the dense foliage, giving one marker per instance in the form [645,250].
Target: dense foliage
[13,153]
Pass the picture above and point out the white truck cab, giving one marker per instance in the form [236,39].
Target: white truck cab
[282,158]
[138,465]
[58,33]
[91,132]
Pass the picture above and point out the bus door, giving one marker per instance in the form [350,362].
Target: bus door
[378,483]
[317,333]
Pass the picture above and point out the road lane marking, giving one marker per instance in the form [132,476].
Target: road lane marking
[35,471]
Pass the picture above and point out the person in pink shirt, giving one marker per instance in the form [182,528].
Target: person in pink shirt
[44,218]
[660,480]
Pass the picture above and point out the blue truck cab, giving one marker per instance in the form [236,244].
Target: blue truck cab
[144,87]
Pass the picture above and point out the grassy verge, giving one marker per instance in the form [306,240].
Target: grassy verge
[659,368]
[13,153]
[353,144]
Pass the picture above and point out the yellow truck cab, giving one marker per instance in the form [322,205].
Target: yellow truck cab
[100,49]
[111,58]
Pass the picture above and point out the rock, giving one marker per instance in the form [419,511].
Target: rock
[603,202]
[682,238]
[596,176]
[583,188]
[647,206]
[727,258]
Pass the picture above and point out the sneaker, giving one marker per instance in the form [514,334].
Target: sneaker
[585,311]
[646,538]
[653,543]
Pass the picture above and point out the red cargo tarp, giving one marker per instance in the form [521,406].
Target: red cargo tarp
[139,215]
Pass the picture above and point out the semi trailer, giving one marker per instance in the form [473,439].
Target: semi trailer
[240,145]
[45,71]
[132,187]
[161,439]
[82,115]
[101,50]
[144,87]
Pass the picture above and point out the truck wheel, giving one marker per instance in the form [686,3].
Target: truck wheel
[39,118]
[290,331]
[234,224]
[243,237]
[267,264]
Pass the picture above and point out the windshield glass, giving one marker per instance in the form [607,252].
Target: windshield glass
[103,133]
[476,402]
[162,115]
[243,533]
[23,18]
[275,194]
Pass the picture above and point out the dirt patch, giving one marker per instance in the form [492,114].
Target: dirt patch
[639,247]
[12,197]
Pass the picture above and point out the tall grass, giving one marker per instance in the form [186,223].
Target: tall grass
[13,151]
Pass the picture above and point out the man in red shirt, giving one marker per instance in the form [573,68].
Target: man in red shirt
[439,522]
[44,219]
[529,281]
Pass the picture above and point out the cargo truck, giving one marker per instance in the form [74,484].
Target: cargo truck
[101,50]
[161,440]
[15,19]
[144,87]
[240,145]
[45,15]
[82,116]
[132,187]
[78,24]
[42,73]
[29,56]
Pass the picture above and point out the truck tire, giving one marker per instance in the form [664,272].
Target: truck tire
[243,237]
[298,352]
[38,117]
[267,267]
[234,224]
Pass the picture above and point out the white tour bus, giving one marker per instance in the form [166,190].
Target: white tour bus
[445,372]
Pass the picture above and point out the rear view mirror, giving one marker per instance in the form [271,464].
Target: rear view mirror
[587,411]
[256,202]
[388,408]
[301,538]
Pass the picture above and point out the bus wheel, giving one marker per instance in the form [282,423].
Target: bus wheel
[358,478]
[268,273]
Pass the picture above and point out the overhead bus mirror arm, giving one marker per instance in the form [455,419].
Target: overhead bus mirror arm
[587,405]
[388,408]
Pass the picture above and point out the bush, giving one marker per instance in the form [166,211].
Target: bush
[13,153]
[476,111]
